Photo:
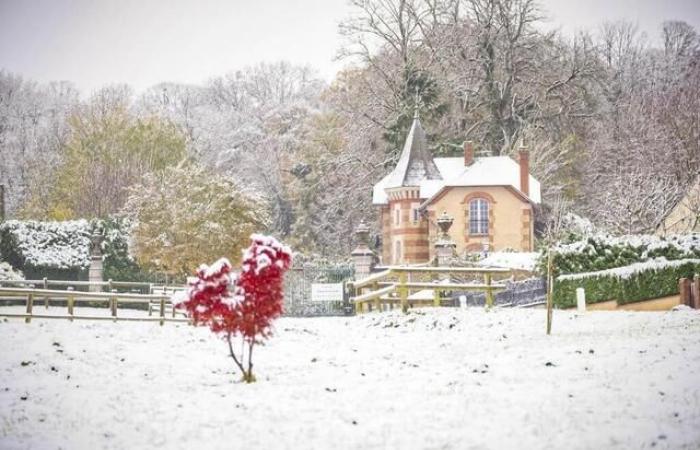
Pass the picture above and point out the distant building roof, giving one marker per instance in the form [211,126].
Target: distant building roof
[484,171]
[415,163]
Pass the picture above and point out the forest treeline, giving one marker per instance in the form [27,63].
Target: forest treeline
[611,117]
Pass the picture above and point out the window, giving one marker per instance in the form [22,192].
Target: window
[478,216]
[415,216]
[397,216]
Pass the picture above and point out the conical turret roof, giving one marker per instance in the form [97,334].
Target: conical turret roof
[415,163]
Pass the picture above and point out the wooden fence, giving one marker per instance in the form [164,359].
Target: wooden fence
[109,285]
[380,293]
[72,298]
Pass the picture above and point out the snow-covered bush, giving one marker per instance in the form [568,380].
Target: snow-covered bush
[248,311]
[188,215]
[8,273]
[636,282]
[603,252]
[61,250]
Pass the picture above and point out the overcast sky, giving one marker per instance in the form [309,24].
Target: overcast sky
[143,42]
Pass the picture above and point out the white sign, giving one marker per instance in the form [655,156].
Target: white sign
[327,292]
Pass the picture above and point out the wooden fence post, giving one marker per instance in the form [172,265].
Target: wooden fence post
[403,292]
[684,291]
[489,292]
[30,305]
[377,301]
[550,290]
[436,298]
[162,311]
[46,297]
[696,292]
[71,302]
[113,304]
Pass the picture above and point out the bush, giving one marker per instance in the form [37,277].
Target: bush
[61,250]
[598,253]
[8,273]
[634,283]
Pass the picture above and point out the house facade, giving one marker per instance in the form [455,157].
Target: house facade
[685,215]
[491,199]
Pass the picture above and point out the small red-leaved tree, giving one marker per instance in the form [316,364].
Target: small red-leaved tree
[248,311]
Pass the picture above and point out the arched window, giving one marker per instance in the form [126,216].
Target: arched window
[478,216]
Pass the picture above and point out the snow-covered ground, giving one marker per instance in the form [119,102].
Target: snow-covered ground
[432,379]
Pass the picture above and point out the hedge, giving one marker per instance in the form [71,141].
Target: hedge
[60,250]
[634,283]
[598,253]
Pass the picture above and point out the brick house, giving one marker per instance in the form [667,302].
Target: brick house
[491,199]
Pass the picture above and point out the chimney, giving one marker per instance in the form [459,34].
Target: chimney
[524,161]
[468,153]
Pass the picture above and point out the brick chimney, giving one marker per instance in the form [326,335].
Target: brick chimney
[468,153]
[524,162]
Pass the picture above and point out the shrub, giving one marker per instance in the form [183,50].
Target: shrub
[634,283]
[601,252]
[61,250]
[248,312]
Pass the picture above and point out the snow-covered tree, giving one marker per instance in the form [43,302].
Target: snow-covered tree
[188,214]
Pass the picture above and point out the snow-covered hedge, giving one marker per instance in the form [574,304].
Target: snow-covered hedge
[56,245]
[633,283]
[603,252]
[8,273]
[61,250]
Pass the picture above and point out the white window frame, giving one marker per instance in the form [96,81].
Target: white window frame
[479,217]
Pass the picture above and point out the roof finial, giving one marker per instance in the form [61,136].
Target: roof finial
[416,105]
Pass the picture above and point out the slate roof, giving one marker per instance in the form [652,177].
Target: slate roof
[415,163]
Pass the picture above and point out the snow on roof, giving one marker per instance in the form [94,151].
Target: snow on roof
[485,171]
[495,171]
[415,163]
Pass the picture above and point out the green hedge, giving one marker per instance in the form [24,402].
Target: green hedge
[23,243]
[650,283]
[607,252]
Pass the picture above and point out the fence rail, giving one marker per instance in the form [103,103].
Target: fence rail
[109,284]
[112,299]
[380,288]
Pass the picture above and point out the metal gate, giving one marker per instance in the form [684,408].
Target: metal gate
[297,290]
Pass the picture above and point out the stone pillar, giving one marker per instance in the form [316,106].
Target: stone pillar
[363,257]
[444,246]
[95,271]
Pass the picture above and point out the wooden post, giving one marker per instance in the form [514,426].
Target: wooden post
[109,285]
[162,311]
[436,298]
[377,301]
[30,305]
[696,292]
[684,291]
[550,290]
[71,302]
[403,292]
[113,306]
[489,291]
[46,298]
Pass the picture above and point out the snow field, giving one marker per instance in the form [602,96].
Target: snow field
[435,378]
